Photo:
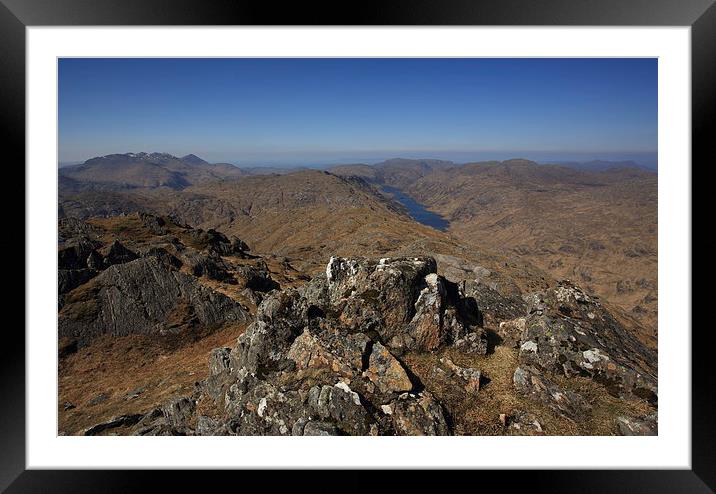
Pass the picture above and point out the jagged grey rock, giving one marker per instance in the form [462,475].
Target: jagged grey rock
[142,296]
[118,254]
[419,415]
[570,333]
[633,426]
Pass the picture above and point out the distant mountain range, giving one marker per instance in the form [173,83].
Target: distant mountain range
[602,165]
[148,170]
[373,171]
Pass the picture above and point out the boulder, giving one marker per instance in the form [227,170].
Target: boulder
[470,377]
[530,382]
[473,343]
[216,242]
[341,406]
[633,426]
[419,415]
[390,286]
[208,426]
[495,306]
[315,428]
[511,332]
[402,299]
[209,264]
[179,413]
[386,372]
[74,253]
[327,346]
[523,423]
[570,333]
[317,360]
[263,409]
[257,278]
[154,224]
[280,319]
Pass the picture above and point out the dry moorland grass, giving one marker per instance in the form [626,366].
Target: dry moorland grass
[479,413]
[134,374]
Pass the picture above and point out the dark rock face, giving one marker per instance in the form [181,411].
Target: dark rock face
[217,243]
[142,296]
[257,278]
[495,306]
[118,254]
[419,415]
[75,253]
[210,265]
[164,257]
[68,279]
[570,333]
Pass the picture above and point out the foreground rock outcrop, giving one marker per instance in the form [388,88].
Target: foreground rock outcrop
[331,356]
[569,333]
[325,359]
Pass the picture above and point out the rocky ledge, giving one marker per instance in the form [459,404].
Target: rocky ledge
[329,358]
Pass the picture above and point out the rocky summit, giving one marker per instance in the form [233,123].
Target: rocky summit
[346,354]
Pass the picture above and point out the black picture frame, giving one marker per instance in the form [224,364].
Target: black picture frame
[16,15]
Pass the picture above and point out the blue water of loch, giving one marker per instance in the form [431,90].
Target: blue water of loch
[416,210]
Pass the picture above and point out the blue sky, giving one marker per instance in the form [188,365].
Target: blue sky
[318,111]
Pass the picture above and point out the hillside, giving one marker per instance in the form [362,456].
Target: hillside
[597,228]
[398,172]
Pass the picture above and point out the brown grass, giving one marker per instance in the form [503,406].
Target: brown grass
[479,413]
[162,368]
